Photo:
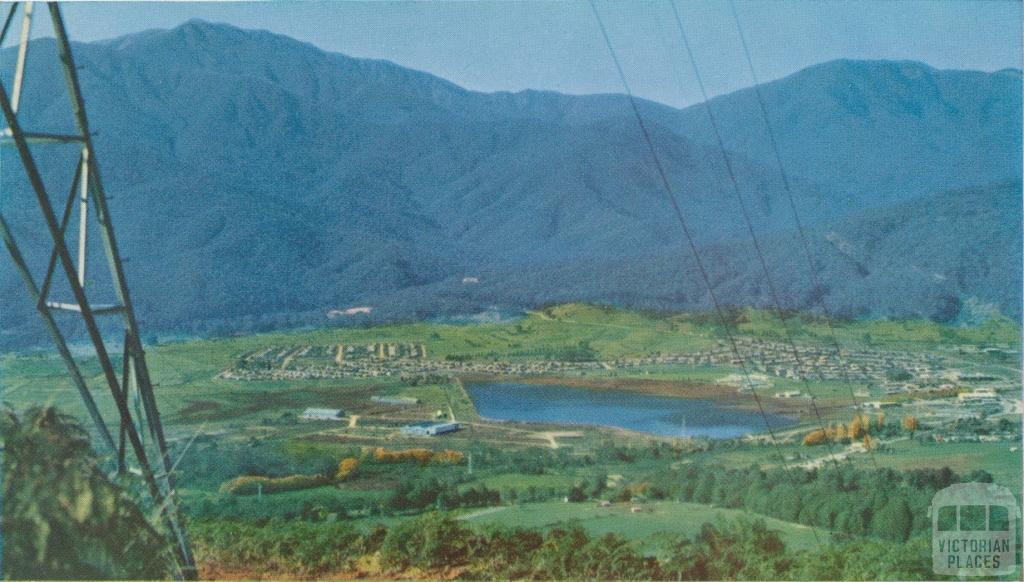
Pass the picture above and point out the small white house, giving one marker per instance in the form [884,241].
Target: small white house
[360,310]
[878,405]
[429,428]
[322,414]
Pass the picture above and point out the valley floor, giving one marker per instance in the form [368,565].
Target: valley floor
[924,397]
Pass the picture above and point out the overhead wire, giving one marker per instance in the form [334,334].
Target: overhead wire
[805,245]
[691,244]
[758,250]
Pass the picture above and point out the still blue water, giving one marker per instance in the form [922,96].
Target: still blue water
[659,415]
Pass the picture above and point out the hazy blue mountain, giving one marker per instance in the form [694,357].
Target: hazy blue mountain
[876,132]
[936,257]
[257,178]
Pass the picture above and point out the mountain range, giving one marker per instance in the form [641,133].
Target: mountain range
[258,181]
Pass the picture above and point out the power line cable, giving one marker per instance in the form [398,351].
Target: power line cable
[681,218]
[806,247]
[745,213]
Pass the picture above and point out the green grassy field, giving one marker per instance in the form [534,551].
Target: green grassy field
[997,458]
[521,483]
[192,398]
[647,528]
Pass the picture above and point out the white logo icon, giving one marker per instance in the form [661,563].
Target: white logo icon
[974,530]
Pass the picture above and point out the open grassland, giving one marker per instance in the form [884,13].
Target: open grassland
[646,527]
[521,483]
[997,458]
[195,401]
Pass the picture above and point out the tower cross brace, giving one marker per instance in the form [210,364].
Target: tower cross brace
[134,429]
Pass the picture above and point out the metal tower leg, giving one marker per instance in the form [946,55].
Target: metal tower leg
[135,372]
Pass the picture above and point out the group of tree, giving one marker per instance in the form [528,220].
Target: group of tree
[883,503]
[347,469]
[254,484]
[436,546]
[421,456]
[416,494]
[862,427]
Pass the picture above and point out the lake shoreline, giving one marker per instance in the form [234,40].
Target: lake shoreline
[725,395]
[650,411]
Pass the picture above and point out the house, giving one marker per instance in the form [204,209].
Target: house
[396,400]
[361,310]
[983,397]
[322,414]
[979,395]
[878,404]
[429,428]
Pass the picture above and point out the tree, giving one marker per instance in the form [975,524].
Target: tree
[62,517]
[600,485]
[558,558]
[815,437]
[787,502]
[346,468]
[705,488]
[894,520]
[841,433]
[978,476]
[611,557]
[856,428]
[429,542]
[910,423]
[870,443]
[738,550]
[576,494]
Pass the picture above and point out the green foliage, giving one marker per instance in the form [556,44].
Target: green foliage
[308,505]
[737,550]
[437,546]
[430,542]
[880,503]
[893,521]
[252,484]
[867,560]
[421,493]
[294,547]
[62,517]
[576,494]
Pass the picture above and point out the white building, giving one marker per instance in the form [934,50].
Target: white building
[429,428]
[979,396]
[322,414]
[878,405]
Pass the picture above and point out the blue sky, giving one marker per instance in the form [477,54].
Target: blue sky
[493,46]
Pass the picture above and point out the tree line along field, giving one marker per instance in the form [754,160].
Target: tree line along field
[508,475]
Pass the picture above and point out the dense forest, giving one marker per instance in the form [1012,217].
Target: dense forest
[435,545]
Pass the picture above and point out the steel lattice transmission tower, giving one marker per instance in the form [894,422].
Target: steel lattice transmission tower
[140,431]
